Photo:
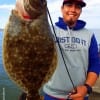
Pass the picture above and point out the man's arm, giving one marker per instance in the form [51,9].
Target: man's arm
[91,78]
[82,90]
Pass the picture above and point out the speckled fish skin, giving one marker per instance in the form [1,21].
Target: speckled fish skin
[29,53]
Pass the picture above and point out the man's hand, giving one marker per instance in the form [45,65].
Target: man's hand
[81,93]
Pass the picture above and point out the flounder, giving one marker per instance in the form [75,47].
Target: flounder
[29,52]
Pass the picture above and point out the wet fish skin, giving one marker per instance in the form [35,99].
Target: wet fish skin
[29,53]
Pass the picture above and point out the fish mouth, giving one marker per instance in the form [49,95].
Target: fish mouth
[35,7]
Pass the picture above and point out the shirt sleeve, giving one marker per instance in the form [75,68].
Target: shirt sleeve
[94,60]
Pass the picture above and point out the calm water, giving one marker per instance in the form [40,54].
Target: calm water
[11,90]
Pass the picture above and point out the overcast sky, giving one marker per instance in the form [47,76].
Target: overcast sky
[90,14]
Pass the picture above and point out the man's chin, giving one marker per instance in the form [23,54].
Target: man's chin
[70,23]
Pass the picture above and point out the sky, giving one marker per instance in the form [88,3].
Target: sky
[90,14]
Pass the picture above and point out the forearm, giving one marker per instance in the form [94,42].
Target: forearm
[82,90]
[91,78]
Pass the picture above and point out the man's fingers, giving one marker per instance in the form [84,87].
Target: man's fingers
[77,95]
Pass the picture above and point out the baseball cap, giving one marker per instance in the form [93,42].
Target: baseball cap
[80,2]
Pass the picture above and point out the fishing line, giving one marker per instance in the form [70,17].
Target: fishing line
[60,49]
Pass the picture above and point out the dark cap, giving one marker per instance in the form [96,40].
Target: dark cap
[80,2]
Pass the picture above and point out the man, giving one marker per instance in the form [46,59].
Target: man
[80,52]
[72,80]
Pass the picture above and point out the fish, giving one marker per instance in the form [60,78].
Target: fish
[29,50]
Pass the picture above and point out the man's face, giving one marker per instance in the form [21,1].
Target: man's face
[71,13]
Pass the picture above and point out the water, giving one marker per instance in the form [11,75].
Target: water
[12,91]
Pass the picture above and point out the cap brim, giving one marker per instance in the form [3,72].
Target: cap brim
[82,4]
